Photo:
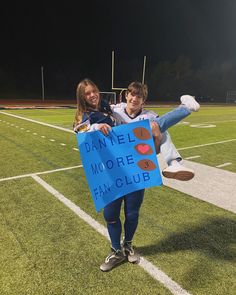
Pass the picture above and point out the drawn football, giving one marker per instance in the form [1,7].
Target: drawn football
[146,164]
[142,133]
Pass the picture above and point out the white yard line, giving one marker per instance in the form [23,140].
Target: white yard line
[209,189]
[40,173]
[151,269]
[210,184]
[192,157]
[41,123]
[203,123]
[218,189]
[207,144]
[215,122]
[71,131]
[223,165]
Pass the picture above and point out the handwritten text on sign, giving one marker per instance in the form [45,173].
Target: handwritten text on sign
[123,162]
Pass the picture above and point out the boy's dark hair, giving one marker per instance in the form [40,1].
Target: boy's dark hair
[138,89]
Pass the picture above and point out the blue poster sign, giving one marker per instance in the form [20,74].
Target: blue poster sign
[120,163]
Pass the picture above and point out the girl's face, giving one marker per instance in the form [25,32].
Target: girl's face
[92,96]
[134,102]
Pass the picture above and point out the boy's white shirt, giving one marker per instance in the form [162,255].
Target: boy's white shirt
[121,117]
[167,148]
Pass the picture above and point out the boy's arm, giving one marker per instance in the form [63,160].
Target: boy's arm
[157,136]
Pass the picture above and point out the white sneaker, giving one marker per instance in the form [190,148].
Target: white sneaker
[131,254]
[115,258]
[178,172]
[190,102]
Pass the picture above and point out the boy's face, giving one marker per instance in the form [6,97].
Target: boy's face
[134,101]
[92,96]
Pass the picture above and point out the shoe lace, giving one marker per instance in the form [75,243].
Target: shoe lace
[128,247]
[111,255]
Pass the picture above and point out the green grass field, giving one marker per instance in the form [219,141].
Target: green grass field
[47,249]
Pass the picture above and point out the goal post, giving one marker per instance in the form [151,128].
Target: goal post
[231,96]
[113,87]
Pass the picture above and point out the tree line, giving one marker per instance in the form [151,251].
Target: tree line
[167,80]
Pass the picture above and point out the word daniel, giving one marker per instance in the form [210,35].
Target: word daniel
[109,141]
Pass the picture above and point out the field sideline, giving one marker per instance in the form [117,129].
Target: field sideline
[46,249]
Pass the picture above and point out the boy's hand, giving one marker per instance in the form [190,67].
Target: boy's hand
[104,128]
[155,129]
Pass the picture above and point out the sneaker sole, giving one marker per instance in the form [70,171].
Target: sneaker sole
[180,175]
[131,260]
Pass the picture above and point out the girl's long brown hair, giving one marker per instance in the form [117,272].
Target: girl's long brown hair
[82,106]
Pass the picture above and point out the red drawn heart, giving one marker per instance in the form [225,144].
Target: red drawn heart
[143,148]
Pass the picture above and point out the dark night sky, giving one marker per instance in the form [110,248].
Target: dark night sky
[76,38]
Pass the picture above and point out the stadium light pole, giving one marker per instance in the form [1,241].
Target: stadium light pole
[112,68]
[42,82]
[144,69]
